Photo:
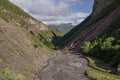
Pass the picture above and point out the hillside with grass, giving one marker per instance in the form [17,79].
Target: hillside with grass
[25,43]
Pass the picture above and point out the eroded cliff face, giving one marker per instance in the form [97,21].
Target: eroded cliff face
[99,5]
[102,17]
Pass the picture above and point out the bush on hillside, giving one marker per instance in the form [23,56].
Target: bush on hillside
[105,50]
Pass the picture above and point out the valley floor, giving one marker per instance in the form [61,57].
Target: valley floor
[65,67]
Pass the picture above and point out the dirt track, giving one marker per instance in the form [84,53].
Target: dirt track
[64,67]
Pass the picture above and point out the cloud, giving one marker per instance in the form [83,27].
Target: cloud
[57,22]
[51,11]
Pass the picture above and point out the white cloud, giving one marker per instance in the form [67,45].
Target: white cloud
[50,11]
[46,7]
[59,22]
[78,15]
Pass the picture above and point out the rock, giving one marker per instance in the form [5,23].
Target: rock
[118,71]
[2,78]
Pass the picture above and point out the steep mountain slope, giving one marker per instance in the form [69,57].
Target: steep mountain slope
[24,43]
[63,27]
[99,5]
[93,25]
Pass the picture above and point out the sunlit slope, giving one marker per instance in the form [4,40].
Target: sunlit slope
[25,43]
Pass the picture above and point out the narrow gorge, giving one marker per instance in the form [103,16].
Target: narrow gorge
[31,50]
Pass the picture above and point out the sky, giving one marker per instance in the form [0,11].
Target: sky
[57,11]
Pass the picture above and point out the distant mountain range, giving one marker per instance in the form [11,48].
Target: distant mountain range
[63,27]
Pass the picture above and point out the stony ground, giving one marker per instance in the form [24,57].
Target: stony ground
[65,67]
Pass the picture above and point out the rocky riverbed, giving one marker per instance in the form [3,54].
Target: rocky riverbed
[64,67]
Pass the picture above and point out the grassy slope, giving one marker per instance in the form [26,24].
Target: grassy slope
[14,13]
[100,70]
[19,29]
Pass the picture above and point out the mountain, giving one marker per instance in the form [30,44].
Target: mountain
[98,36]
[63,27]
[103,15]
[25,43]
[54,26]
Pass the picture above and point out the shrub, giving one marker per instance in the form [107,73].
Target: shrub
[87,47]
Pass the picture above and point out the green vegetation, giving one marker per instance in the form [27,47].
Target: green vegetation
[106,51]
[44,40]
[10,12]
[98,75]
[119,66]
[14,76]
[3,16]
[36,41]
[99,65]
[6,73]
[88,21]
[107,46]
[100,70]
[12,8]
